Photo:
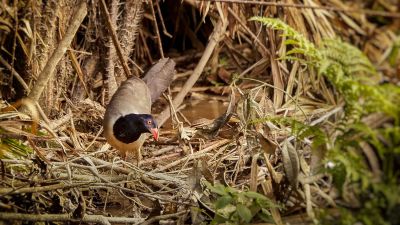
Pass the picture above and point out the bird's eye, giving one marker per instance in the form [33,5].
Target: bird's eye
[149,122]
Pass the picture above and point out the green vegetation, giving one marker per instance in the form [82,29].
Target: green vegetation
[345,67]
[11,148]
[355,80]
[235,207]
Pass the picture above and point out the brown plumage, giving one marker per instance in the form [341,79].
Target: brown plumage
[128,119]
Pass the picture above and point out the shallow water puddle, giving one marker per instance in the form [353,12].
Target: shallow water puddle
[199,109]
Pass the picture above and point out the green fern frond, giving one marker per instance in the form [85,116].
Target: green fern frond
[348,166]
[345,66]
[294,38]
[356,80]
[349,59]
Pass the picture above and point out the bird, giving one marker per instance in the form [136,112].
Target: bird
[127,119]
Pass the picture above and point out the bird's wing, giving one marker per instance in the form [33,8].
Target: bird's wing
[133,96]
[159,77]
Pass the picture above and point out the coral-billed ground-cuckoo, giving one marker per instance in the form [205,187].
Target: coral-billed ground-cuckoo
[128,118]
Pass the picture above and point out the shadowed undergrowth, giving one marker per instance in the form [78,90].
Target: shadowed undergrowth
[311,133]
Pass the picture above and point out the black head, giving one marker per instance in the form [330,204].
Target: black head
[128,129]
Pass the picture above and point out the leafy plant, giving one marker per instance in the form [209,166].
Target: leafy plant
[356,81]
[345,66]
[236,207]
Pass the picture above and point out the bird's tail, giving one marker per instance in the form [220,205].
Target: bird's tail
[159,77]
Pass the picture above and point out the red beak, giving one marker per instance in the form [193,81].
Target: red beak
[154,131]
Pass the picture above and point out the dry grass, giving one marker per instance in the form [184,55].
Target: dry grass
[73,173]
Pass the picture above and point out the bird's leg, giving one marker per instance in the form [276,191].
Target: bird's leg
[138,156]
[123,155]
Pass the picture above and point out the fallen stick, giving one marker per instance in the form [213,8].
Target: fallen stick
[98,219]
[11,191]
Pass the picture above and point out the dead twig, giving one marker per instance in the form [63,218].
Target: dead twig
[265,49]
[15,74]
[326,8]
[9,191]
[162,21]
[196,155]
[114,38]
[160,158]
[78,70]
[156,29]
[98,219]
[163,217]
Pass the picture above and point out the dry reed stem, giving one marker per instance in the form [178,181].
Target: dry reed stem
[301,6]
[114,38]
[159,41]
[48,70]
[128,32]
[78,70]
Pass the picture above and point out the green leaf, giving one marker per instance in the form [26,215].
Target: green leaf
[255,195]
[295,51]
[217,188]
[241,198]
[231,190]
[223,201]
[244,213]
[218,219]
[265,215]
[393,56]
[291,42]
[227,211]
